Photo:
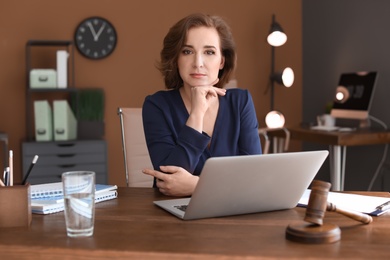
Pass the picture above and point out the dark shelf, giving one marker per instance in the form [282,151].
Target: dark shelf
[52,90]
[49,43]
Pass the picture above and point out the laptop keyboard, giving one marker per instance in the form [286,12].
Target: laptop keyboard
[181,207]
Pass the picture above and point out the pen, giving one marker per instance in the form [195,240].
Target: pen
[34,161]
[384,206]
[11,168]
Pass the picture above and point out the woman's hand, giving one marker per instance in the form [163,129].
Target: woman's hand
[174,180]
[203,96]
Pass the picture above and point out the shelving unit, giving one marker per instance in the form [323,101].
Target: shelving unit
[56,157]
[50,50]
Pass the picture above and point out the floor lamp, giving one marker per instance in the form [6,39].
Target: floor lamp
[276,38]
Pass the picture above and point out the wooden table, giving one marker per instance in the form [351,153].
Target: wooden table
[337,142]
[132,227]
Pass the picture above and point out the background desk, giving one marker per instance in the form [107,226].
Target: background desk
[338,142]
[131,226]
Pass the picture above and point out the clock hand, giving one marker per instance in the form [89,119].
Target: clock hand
[99,32]
[92,30]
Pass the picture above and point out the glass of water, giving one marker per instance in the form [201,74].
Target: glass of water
[79,200]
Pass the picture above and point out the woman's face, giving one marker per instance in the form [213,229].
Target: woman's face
[200,58]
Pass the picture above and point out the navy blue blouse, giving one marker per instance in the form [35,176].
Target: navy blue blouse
[171,142]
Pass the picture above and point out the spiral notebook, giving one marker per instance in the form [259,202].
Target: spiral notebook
[48,198]
[52,190]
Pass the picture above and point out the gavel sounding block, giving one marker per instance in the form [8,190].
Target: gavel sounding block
[313,234]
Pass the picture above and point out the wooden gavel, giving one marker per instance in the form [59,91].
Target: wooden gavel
[318,204]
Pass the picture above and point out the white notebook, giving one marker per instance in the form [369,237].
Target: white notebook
[48,198]
[354,202]
[53,206]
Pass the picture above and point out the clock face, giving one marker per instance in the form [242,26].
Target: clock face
[95,38]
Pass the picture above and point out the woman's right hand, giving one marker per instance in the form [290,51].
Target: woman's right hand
[202,97]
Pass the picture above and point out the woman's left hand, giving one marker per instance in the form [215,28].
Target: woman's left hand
[174,180]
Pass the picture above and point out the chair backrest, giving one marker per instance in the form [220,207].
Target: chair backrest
[135,152]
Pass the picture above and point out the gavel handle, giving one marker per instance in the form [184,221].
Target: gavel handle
[364,218]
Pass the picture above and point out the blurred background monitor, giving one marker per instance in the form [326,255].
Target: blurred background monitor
[354,95]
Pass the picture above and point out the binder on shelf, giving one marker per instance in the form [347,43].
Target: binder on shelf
[65,123]
[43,78]
[43,120]
[62,69]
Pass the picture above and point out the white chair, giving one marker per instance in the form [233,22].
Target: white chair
[280,144]
[264,139]
[135,152]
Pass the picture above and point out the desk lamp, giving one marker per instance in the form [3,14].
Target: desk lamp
[276,38]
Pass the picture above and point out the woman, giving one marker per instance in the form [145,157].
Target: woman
[196,119]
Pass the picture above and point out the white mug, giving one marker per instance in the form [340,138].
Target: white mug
[326,120]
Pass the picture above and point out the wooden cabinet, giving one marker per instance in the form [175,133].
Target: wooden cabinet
[58,157]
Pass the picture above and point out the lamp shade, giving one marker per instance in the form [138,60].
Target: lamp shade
[284,77]
[274,119]
[276,36]
[288,77]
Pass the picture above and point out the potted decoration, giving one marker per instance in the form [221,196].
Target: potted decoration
[89,107]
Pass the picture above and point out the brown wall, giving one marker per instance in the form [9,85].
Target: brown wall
[129,74]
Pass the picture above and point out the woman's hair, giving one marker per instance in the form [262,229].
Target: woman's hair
[175,39]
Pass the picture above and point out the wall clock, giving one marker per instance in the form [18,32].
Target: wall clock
[95,38]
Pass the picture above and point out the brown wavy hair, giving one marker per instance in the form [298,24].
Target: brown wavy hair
[175,39]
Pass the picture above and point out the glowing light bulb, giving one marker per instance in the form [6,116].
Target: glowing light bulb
[274,119]
[339,96]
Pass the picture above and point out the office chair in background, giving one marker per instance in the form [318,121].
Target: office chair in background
[136,154]
[135,151]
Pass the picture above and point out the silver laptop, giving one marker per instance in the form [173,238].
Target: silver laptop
[245,184]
